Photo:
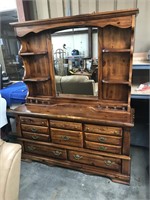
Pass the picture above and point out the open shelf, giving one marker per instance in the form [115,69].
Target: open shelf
[105,50]
[33,53]
[37,79]
[116,82]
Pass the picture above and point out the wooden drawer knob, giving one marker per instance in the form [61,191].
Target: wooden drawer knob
[66,138]
[108,162]
[57,153]
[33,129]
[35,137]
[31,148]
[101,139]
[102,148]
[77,157]
[116,132]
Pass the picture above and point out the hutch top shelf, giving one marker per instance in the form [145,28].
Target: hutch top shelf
[115,32]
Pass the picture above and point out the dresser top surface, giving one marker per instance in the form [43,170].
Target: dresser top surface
[77,113]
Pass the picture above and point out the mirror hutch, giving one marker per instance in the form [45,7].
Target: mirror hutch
[82,132]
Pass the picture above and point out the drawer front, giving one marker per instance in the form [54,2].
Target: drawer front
[34,121]
[70,138]
[36,136]
[103,147]
[103,139]
[95,160]
[66,125]
[103,130]
[51,152]
[34,129]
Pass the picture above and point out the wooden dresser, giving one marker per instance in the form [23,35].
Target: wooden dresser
[86,133]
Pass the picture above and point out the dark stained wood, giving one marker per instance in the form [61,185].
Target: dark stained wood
[99,161]
[103,139]
[36,136]
[103,147]
[66,125]
[86,133]
[67,137]
[35,129]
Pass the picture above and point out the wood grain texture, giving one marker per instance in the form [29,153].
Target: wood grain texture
[90,134]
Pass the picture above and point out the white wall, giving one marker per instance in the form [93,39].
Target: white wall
[6,5]
[79,42]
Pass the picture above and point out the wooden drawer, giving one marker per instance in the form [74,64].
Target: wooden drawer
[34,121]
[95,160]
[103,129]
[103,138]
[34,129]
[103,147]
[36,136]
[66,125]
[46,151]
[71,138]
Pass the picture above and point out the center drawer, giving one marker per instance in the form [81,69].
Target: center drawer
[34,129]
[67,137]
[52,152]
[95,160]
[66,125]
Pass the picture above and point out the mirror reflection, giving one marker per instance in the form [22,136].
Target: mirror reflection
[76,69]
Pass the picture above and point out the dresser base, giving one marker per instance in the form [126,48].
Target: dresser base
[114,176]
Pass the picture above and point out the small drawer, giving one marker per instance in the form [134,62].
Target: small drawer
[95,160]
[103,130]
[34,129]
[36,136]
[34,121]
[46,151]
[103,147]
[70,138]
[66,125]
[103,139]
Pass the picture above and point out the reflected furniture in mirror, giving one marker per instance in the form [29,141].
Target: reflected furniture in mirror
[88,132]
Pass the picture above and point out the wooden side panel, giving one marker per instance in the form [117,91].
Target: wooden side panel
[116,38]
[126,142]
[39,89]
[116,66]
[115,92]
[33,43]
[126,167]
[18,126]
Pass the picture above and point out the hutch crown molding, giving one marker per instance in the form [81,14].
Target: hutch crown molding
[86,133]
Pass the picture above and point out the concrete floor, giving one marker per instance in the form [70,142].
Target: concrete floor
[41,182]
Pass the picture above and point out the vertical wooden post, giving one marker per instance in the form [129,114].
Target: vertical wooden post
[20,11]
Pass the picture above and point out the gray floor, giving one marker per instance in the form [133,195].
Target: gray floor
[41,182]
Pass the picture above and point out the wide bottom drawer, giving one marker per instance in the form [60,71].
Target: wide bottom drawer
[95,160]
[46,151]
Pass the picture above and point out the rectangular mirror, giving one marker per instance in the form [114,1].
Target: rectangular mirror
[76,72]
